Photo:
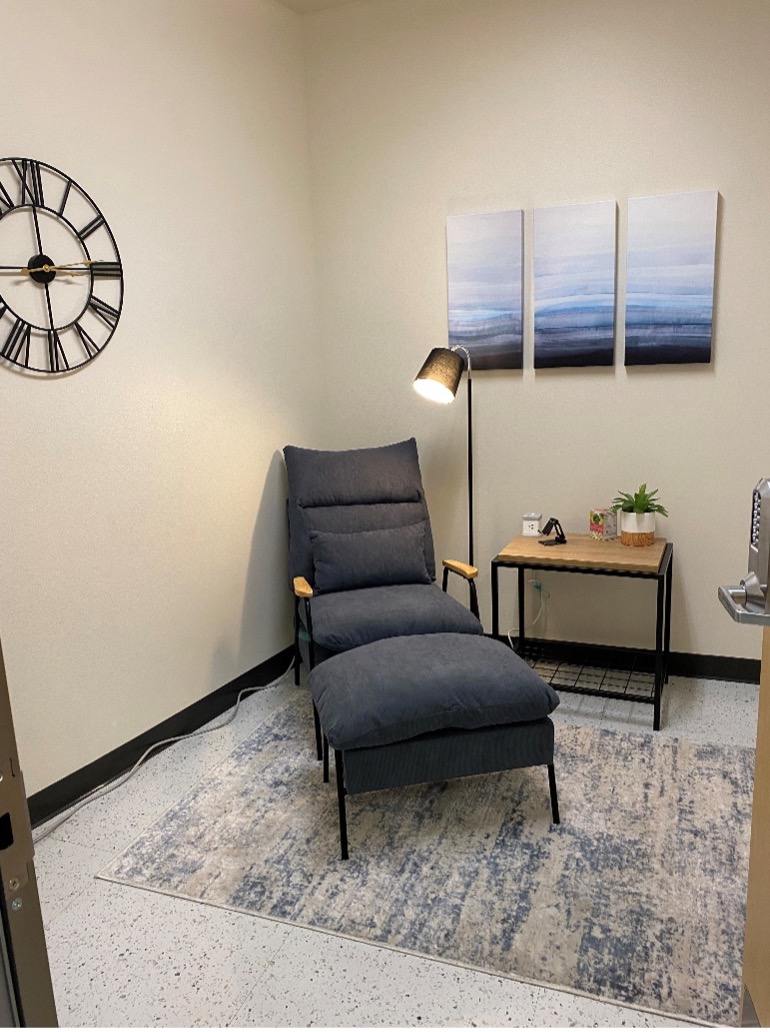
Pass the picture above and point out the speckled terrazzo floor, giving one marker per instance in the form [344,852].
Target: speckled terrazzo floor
[122,956]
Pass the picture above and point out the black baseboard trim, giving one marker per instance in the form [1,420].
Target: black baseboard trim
[54,799]
[714,668]
[50,801]
[685,664]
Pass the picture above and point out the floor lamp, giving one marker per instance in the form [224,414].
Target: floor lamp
[438,380]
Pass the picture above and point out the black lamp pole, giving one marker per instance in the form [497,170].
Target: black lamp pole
[470,459]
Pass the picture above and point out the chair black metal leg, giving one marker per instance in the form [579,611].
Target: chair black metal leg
[311,643]
[311,664]
[341,801]
[474,598]
[554,798]
[318,745]
[495,601]
[326,759]
[297,653]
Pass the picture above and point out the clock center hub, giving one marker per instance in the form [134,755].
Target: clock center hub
[37,263]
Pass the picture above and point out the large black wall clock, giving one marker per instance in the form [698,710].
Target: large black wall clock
[61,280]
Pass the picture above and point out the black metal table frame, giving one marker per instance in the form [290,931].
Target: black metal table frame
[663,576]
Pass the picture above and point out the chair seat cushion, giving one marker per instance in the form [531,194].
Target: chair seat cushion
[347,619]
[399,688]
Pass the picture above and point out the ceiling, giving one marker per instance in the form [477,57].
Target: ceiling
[306,6]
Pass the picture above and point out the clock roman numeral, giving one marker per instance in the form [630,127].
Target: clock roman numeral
[65,195]
[105,312]
[102,270]
[55,349]
[92,226]
[5,200]
[37,183]
[87,341]
[31,181]
[17,340]
[22,174]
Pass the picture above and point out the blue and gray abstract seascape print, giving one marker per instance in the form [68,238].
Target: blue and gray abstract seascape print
[670,278]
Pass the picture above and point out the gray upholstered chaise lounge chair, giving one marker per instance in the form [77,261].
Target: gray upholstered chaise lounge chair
[361,558]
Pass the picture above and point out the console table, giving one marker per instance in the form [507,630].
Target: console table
[587,555]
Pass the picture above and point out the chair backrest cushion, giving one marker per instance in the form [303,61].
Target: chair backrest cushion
[347,492]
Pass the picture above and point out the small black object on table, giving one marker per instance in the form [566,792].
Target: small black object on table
[559,539]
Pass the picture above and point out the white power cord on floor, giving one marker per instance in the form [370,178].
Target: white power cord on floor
[103,790]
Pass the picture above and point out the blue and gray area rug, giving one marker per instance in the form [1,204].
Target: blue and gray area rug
[638,896]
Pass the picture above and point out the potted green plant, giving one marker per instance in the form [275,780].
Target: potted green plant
[637,515]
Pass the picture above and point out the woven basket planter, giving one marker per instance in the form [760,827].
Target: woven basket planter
[637,529]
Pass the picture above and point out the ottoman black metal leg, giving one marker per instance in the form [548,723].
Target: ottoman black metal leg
[338,763]
[326,759]
[554,799]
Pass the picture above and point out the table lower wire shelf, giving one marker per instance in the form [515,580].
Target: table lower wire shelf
[600,670]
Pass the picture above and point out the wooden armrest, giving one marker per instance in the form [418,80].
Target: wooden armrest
[469,572]
[301,588]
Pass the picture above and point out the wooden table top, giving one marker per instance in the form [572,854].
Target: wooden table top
[584,552]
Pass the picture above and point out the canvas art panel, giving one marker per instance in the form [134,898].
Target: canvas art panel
[574,251]
[670,278]
[484,287]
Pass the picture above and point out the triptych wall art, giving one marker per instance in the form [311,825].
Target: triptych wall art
[575,285]
[670,265]
[484,271]
[670,278]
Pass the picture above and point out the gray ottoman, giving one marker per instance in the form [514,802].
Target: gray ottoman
[430,707]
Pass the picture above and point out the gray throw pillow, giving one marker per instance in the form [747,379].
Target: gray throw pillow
[369,558]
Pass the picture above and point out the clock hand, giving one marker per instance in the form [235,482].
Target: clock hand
[69,267]
[48,302]
[37,228]
[61,268]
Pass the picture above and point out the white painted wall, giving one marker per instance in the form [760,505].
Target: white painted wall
[141,513]
[142,518]
[423,108]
